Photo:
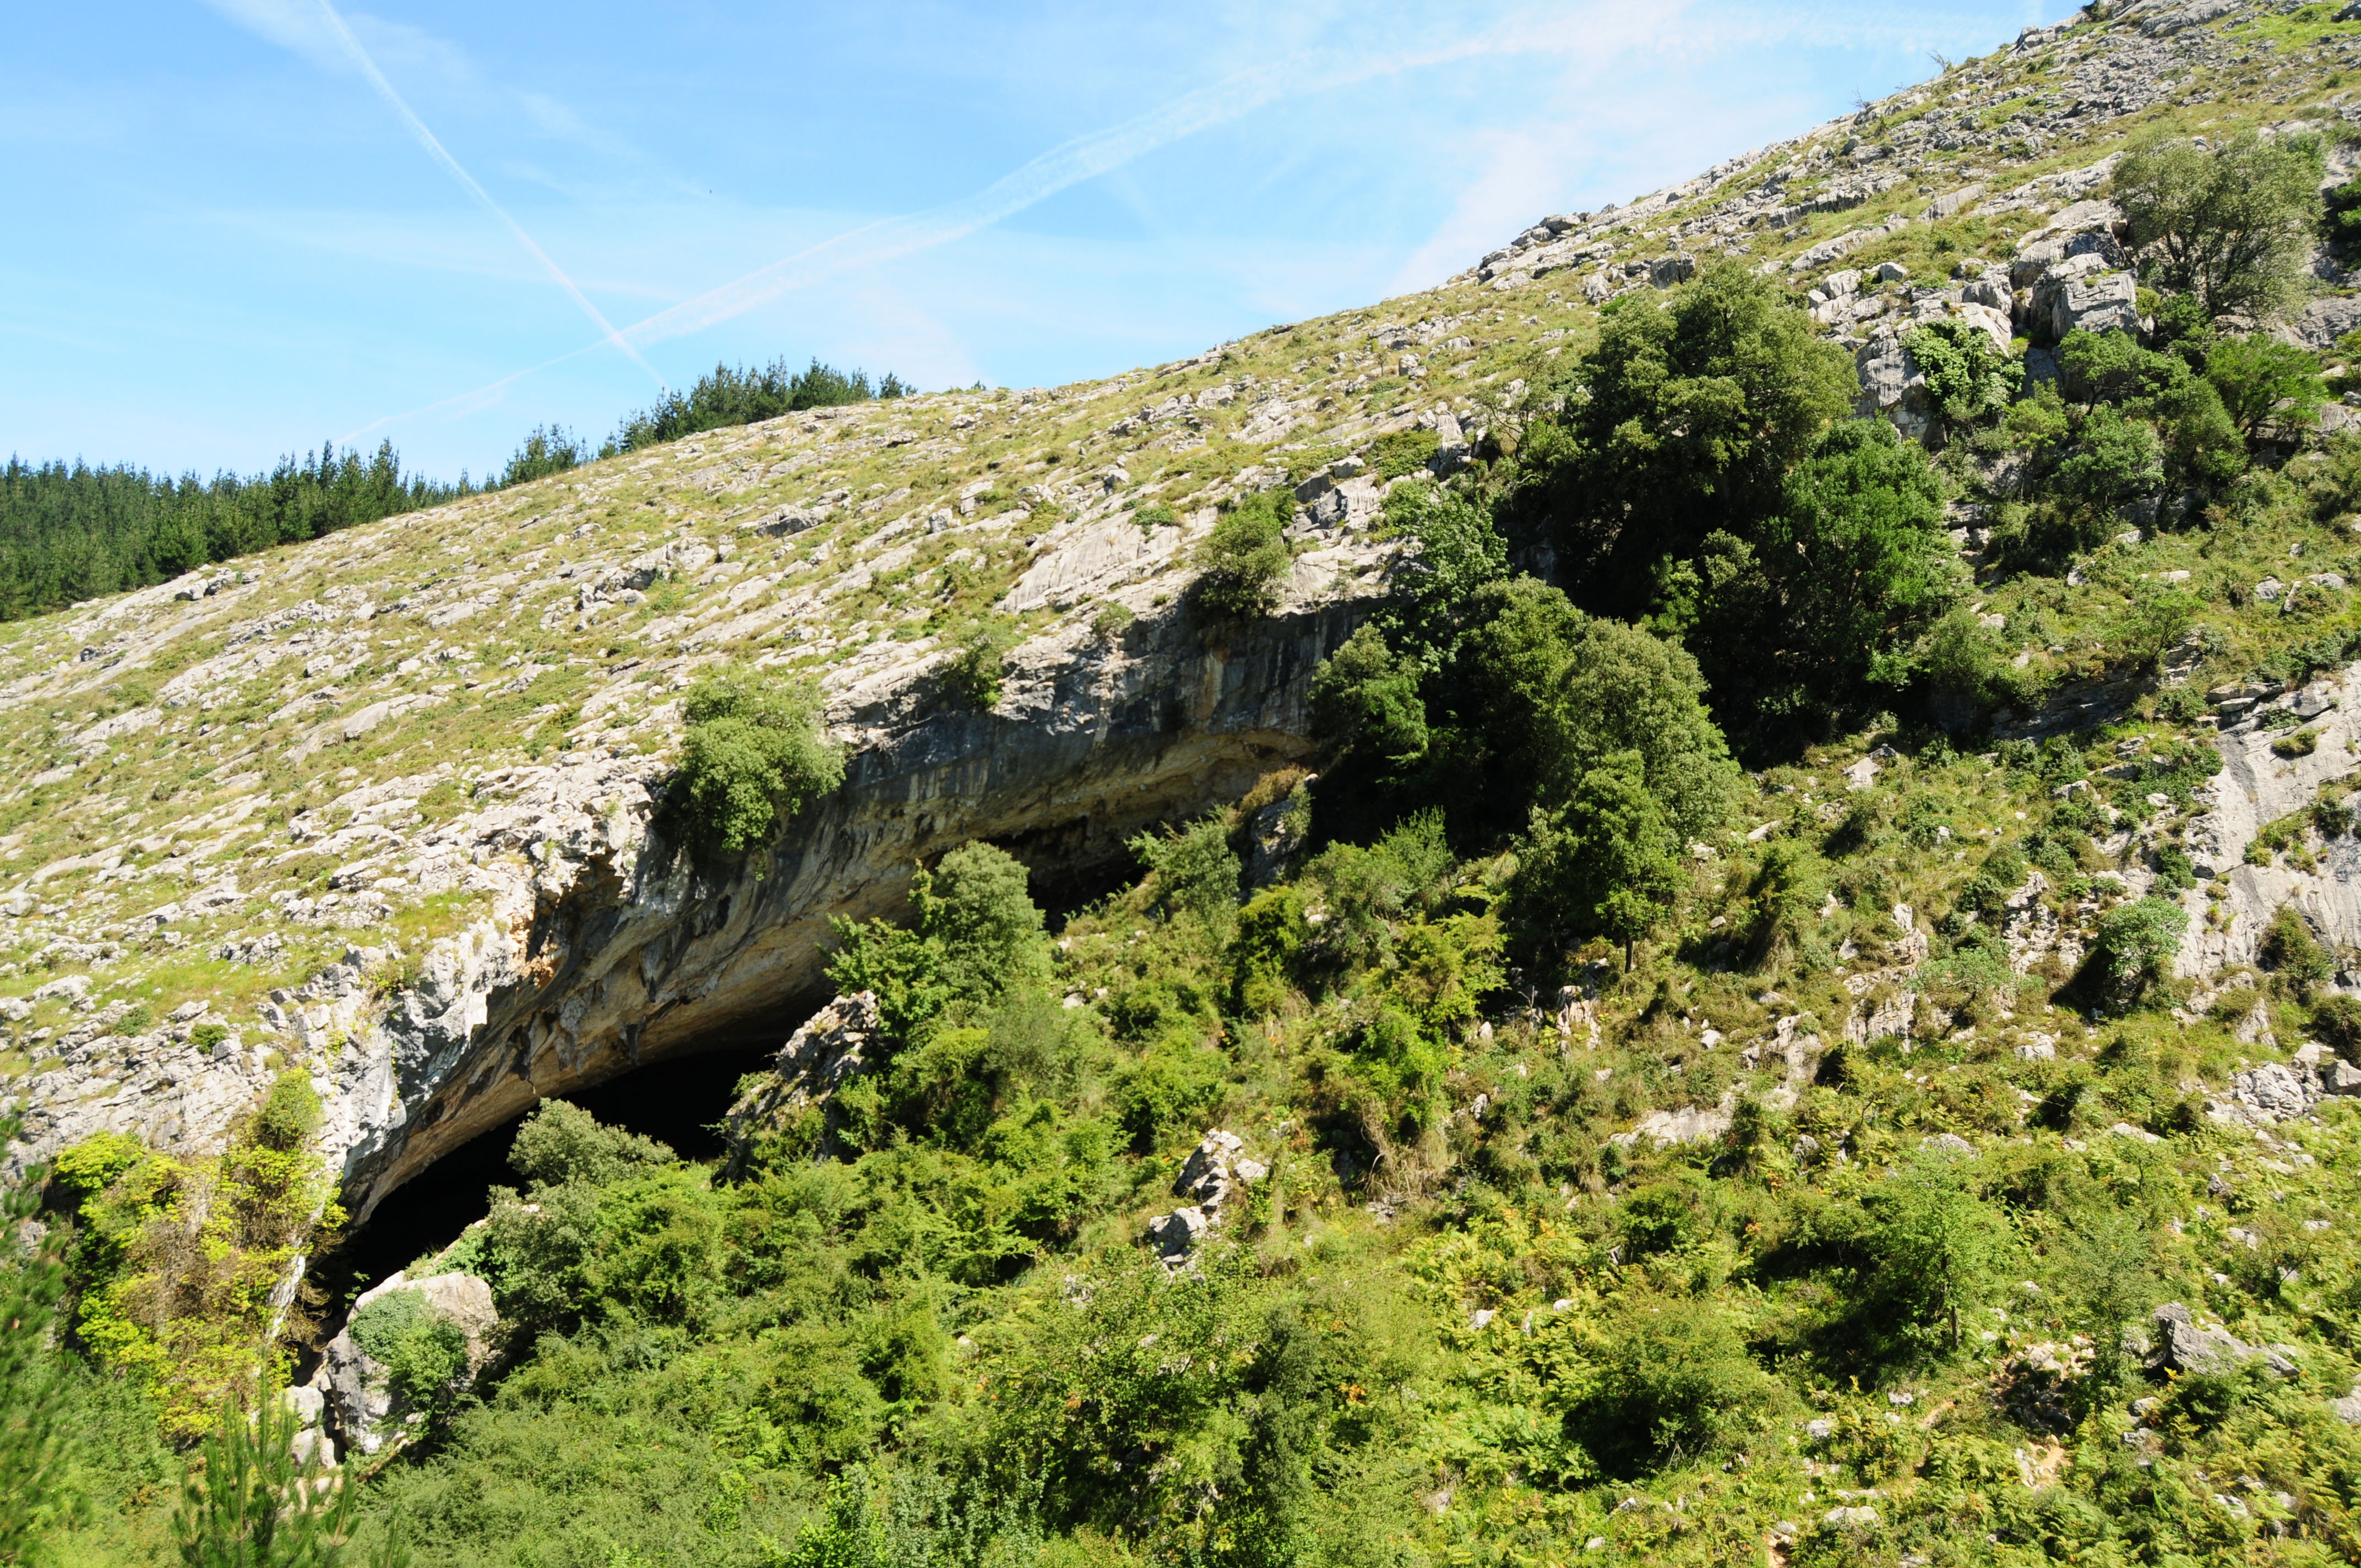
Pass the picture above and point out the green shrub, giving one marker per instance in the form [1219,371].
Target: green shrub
[1244,560]
[979,659]
[1401,452]
[1673,1386]
[2301,744]
[1365,702]
[2337,1021]
[2288,948]
[2264,381]
[1969,378]
[751,759]
[978,937]
[250,1504]
[2134,944]
[1193,869]
[1112,621]
[424,1354]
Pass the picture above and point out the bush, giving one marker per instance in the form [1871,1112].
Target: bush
[424,1354]
[1193,869]
[751,758]
[1401,452]
[1365,702]
[978,937]
[1969,378]
[980,656]
[2290,949]
[2337,1021]
[2263,381]
[1675,1385]
[1244,560]
[2134,945]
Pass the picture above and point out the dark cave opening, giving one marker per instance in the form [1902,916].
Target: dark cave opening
[677,1102]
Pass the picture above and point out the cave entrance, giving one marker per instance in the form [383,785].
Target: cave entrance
[677,1102]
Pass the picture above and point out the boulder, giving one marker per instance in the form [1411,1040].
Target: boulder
[1891,385]
[1175,1234]
[2080,295]
[352,1385]
[1216,1170]
[2341,1077]
[2272,1091]
[2181,1346]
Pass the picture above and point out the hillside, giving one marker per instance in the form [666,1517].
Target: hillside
[1603,1043]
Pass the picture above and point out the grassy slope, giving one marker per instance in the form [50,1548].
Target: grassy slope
[1947,1468]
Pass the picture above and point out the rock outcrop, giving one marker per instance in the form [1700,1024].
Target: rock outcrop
[351,1394]
[834,1047]
[1217,1172]
[606,948]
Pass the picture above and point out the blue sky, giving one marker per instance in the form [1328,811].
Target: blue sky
[246,226]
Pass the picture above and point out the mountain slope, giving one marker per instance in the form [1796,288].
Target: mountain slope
[385,808]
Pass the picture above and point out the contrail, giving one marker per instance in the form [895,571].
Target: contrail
[436,151]
[1595,29]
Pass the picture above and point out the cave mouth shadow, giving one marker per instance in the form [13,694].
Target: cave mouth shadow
[677,1102]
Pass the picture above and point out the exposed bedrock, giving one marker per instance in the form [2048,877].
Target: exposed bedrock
[638,957]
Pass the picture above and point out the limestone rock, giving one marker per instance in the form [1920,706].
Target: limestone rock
[2181,1346]
[1215,1172]
[834,1046]
[365,1411]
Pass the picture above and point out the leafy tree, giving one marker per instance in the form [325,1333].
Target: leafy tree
[978,937]
[1193,870]
[1675,1384]
[1825,603]
[2202,443]
[1366,704]
[1605,863]
[2114,461]
[1539,694]
[2096,367]
[2264,381]
[751,757]
[2232,224]
[1458,552]
[1969,379]
[1936,1247]
[1243,560]
[2158,616]
[1685,420]
[561,1142]
[2135,943]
